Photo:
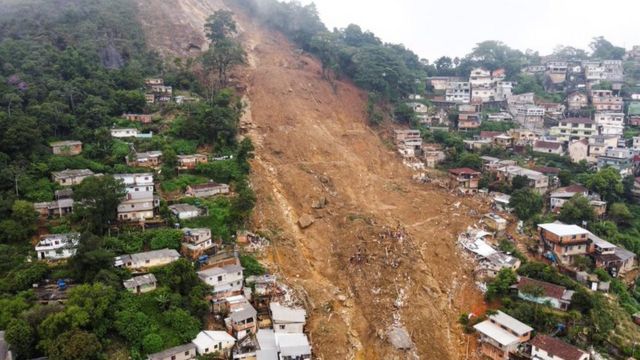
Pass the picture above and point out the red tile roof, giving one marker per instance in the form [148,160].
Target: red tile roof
[577,121]
[575,188]
[547,170]
[463,171]
[489,134]
[550,290]
[547,144]
[557,348]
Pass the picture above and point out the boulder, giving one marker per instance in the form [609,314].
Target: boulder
[305,221]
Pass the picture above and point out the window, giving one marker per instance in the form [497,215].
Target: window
[281,327]
[147,261]
[187,353]
[220,278]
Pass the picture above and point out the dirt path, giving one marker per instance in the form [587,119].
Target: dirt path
[382,251]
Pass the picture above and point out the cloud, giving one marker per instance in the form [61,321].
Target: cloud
[452,28]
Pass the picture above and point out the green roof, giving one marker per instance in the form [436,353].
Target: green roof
[634,108]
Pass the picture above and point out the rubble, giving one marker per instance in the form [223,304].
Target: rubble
[305,221]
[399,338]
[320,203]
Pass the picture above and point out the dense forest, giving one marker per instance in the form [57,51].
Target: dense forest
[70,69]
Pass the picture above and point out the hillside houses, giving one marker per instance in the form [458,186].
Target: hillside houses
[139,202]
[71,177]
[542,292]
[500,335]
[57,246]
[66,148]
[146,260]
[189,162]
[151,159]
[206,190]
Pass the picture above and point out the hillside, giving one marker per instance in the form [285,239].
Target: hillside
[382,250]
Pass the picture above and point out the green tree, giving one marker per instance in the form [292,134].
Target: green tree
[75,345]
[501,284]
[152,343]
[620,214]
[576,210]
[603,49]
[166,238]
[404,114]
[21,338]
[132,325]
[526,203]
[470,160]
[185,326]
[565,177]
[519,182]
[607,183]
[97,200]
[220,26]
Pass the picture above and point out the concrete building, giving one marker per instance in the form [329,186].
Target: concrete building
[458,92]
[574,128]
[609,123]
[182,352]
[500,335]
[141,284]
[66,148]
[286,319]
[545,347]
[71,177]
[139,202]
[148,259]
[57,246]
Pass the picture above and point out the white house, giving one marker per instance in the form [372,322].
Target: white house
[281,346]
[545,347]
[185,211]
[208,342]
[139,202]
[141,284]
[147,259]
[286,319]
[197,239]
[124,132]
[57,246]
[226,281]
[500,335]
[610,123]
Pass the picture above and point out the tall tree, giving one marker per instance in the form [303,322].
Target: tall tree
[220,26]
[98,198]
[526,203]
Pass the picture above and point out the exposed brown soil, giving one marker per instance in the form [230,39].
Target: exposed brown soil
[382,250]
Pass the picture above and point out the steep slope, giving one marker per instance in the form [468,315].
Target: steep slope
[382,250]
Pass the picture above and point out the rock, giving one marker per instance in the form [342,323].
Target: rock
[341,298]
[320,203]
[305,221]
[399,338]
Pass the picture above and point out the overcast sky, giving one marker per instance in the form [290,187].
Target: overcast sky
[453,27]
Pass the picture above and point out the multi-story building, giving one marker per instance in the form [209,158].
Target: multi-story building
[574,128]
[225,281]
[610,123]
[139,202]
[144,159]
[605,101]
[620,159]
[529,116]
[458,92]
[57,246]
[464,179]
[577,101]
[537,181]
[500,335]
[196,241]
[566,241]
[71,177]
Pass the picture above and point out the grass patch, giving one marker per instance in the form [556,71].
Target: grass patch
[181,182]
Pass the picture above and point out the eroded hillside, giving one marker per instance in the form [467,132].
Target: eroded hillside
[381,250]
